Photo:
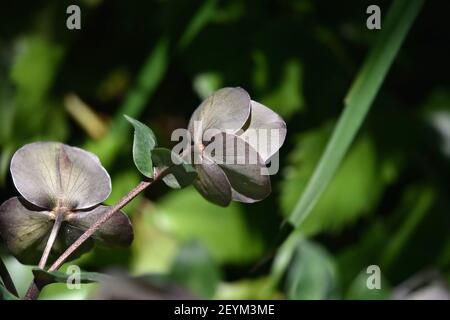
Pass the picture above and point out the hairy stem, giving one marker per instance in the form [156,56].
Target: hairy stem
[33,290]
[6,279]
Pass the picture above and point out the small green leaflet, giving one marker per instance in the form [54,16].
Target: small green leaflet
[143,144]
[175,175]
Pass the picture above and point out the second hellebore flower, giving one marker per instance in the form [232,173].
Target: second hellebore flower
[57,180]
[237,138]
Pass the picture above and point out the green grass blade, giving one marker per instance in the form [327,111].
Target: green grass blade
[358,101]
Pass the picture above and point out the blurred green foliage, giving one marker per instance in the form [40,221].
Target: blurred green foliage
[387,205]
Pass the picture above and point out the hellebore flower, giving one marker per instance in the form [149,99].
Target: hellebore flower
[236,139]
[57,180]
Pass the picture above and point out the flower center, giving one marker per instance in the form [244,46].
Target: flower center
[61,208]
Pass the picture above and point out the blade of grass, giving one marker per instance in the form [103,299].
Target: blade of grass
[358,102]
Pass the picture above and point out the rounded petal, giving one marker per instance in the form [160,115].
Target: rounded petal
[212,183]
[117,231]
[266,131]
[51,173]
[243,167]
[227,109]
[25,229]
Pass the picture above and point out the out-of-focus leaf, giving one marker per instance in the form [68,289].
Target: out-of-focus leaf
[246,289]
[123,181]
[143,144]
[437,109]
[187,216]
[21,273]
[5,294]
[46,278]
[145,287]
[312,273]
[24,97]
[34,69]
[359,290]
[5,278]
[175,175]
[195,269]
[438,100]
[7,111]
[348,195]
[357,103]
[364,252]
[205,84]
[5,157]
[60,291]
[287,98]
[153,249]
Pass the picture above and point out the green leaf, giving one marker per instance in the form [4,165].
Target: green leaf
[363,252]
[312,273]
[195,269]
[359,290]
[5,294]
[246,289]
[60,291]
[224,231]
[46,278]
[175,175]
[287,98]
[5,278]
[357,103]
[347,197]
[205,84]
[35,68]
[143,144]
